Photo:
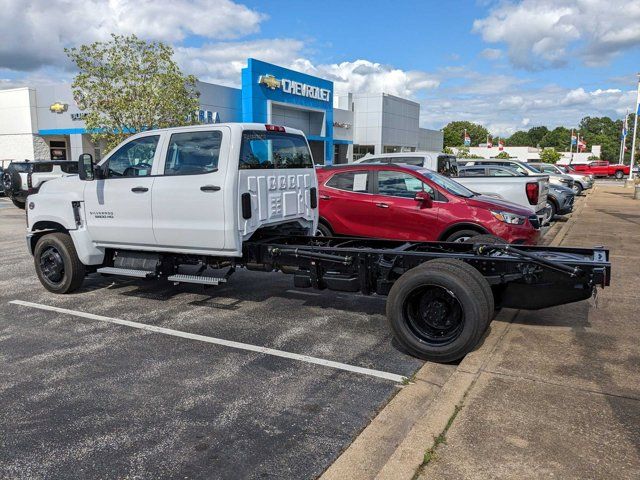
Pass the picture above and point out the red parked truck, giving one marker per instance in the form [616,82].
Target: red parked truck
[403,202]
[602,168]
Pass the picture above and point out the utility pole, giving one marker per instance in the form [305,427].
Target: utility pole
[635,132]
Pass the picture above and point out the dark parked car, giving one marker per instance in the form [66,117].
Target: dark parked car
[560,200]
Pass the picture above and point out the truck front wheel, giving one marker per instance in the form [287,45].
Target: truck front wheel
[57,264]
[436,312]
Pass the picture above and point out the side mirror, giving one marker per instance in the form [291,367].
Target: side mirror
[85,166]
[425,199]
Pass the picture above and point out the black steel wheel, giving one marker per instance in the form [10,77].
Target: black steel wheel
[57,264]
[437,312]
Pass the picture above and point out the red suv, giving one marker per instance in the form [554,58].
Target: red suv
[403,202]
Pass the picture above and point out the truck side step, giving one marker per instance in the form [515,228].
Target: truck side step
[196,279]
[126,272]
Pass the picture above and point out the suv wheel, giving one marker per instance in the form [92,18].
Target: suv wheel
[57,264]
[461,236]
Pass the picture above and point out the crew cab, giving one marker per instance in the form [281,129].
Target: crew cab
[192,204]
[22,179]
[602,168]
[404,202]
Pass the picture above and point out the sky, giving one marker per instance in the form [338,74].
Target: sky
[509,65]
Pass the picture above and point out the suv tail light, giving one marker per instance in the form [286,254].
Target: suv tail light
[533,192]
[274,128]
[29,181]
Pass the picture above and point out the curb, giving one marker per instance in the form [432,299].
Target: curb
[393,445]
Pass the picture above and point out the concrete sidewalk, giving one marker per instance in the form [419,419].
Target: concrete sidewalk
[548,394]
[559,394]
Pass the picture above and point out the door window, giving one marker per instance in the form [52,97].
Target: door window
[399,184]
[472,172]
[501,172]
[134,159]
[193,153]
[350,181]
[416,161]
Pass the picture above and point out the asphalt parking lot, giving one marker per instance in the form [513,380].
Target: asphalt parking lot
[90,388]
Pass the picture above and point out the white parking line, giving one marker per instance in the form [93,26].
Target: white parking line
[219,341]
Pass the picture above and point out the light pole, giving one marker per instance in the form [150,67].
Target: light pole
[635,132]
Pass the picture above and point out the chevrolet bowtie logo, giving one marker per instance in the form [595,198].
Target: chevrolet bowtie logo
[269,81]
[58,107]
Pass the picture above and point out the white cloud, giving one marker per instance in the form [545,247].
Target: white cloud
[491,53]
[547,33]
[35,33]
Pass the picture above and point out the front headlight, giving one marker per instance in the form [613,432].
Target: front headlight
[510,218]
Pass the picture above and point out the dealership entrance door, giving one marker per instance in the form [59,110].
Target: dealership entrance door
[317,151]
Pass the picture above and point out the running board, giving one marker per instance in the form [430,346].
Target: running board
[196,279]
[126,272]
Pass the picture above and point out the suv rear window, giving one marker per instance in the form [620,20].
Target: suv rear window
[42,168]
[273,150]
[20,167]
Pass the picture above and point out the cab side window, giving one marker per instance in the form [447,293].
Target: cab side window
[357,182]
[193,153]
[134,159]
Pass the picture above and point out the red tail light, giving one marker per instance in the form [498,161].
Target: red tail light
[533,192]
[274,128]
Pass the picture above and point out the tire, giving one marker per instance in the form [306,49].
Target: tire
[552,213]
[578,188]
[467,270]
[57,264]
[619,174]
[486,238]
[457,314]
[462,235]
[18,203]
[323,230]
[15,181]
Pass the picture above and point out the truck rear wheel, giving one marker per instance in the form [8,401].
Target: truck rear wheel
[57,264]
[437,310]
[619,174]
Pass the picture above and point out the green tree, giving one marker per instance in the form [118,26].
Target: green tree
[454,133]
[559,138]
[504,155]
[127,85]
[519,139]
[536,134]
[549,155]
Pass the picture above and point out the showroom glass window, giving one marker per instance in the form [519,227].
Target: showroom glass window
[134,159]
[193,153]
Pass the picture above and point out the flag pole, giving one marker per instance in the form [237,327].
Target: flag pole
[635,131]
[623,139]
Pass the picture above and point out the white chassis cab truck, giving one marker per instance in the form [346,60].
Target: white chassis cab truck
[192,204]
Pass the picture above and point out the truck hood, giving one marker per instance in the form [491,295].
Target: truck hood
[498,204]
[69,185]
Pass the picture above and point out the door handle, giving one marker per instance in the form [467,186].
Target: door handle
[210,188]
[382,205]
[139,189]
[325,197]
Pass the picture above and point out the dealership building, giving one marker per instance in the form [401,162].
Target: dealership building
[44,122]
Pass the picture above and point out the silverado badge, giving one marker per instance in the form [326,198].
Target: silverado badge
[269,81]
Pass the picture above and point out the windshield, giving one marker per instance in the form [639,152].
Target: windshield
[449,185]
[271,150]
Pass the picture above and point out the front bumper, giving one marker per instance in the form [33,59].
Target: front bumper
[565,204]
